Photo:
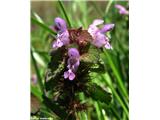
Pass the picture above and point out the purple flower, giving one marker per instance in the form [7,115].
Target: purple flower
[98,35]
[63,35]
[122,10]
[34,79]
[73,63]
[106,28]
[93,29]
[69,74]
[60,24]
[61,40]
[73,53]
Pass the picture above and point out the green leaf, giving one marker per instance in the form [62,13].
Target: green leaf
[39,59]
[43,54]
[52,79]
[37,72]
[49,115]
[36,92]
[56,58]
[42,25]
[55,68]
[92,56]
[97,93]
[98,68]
[61,112]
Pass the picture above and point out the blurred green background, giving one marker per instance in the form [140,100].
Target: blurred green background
[116,78]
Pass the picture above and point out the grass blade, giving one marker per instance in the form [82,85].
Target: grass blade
[98,111]
[37,17]
[37,72]
[36,92]
[119,80]
[42,25]
[108,6]
[64,12]
[109,3]
[109,83]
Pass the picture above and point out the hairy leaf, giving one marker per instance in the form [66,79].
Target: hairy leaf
[97,93]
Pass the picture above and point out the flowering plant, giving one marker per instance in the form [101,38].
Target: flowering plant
[85,74]
[77,52]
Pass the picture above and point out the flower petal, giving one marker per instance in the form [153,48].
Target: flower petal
[93,30]
[54,44]
[71,75]
[59,43]
[108,46]
[122,10]
[64,37]
[97,22]
[75,66]
[100,40]
[66,74]
[107,28]
[60,24]
[73,53]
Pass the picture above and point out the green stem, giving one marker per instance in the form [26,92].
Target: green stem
[42,25]
[109,83]
[64,12]
[37,72]
[98,111]
[119,80]
[108,6]
[36,93]
[107,9]
[115,113]
[123,98]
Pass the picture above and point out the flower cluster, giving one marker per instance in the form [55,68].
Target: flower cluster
[63,35]
[73,63]
[122,10]
[98,35]
[65,38]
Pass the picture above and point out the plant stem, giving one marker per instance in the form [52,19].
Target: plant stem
[42,25]
[37,72]
[107,9]
[119,80]
[108,6]
[109,83]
